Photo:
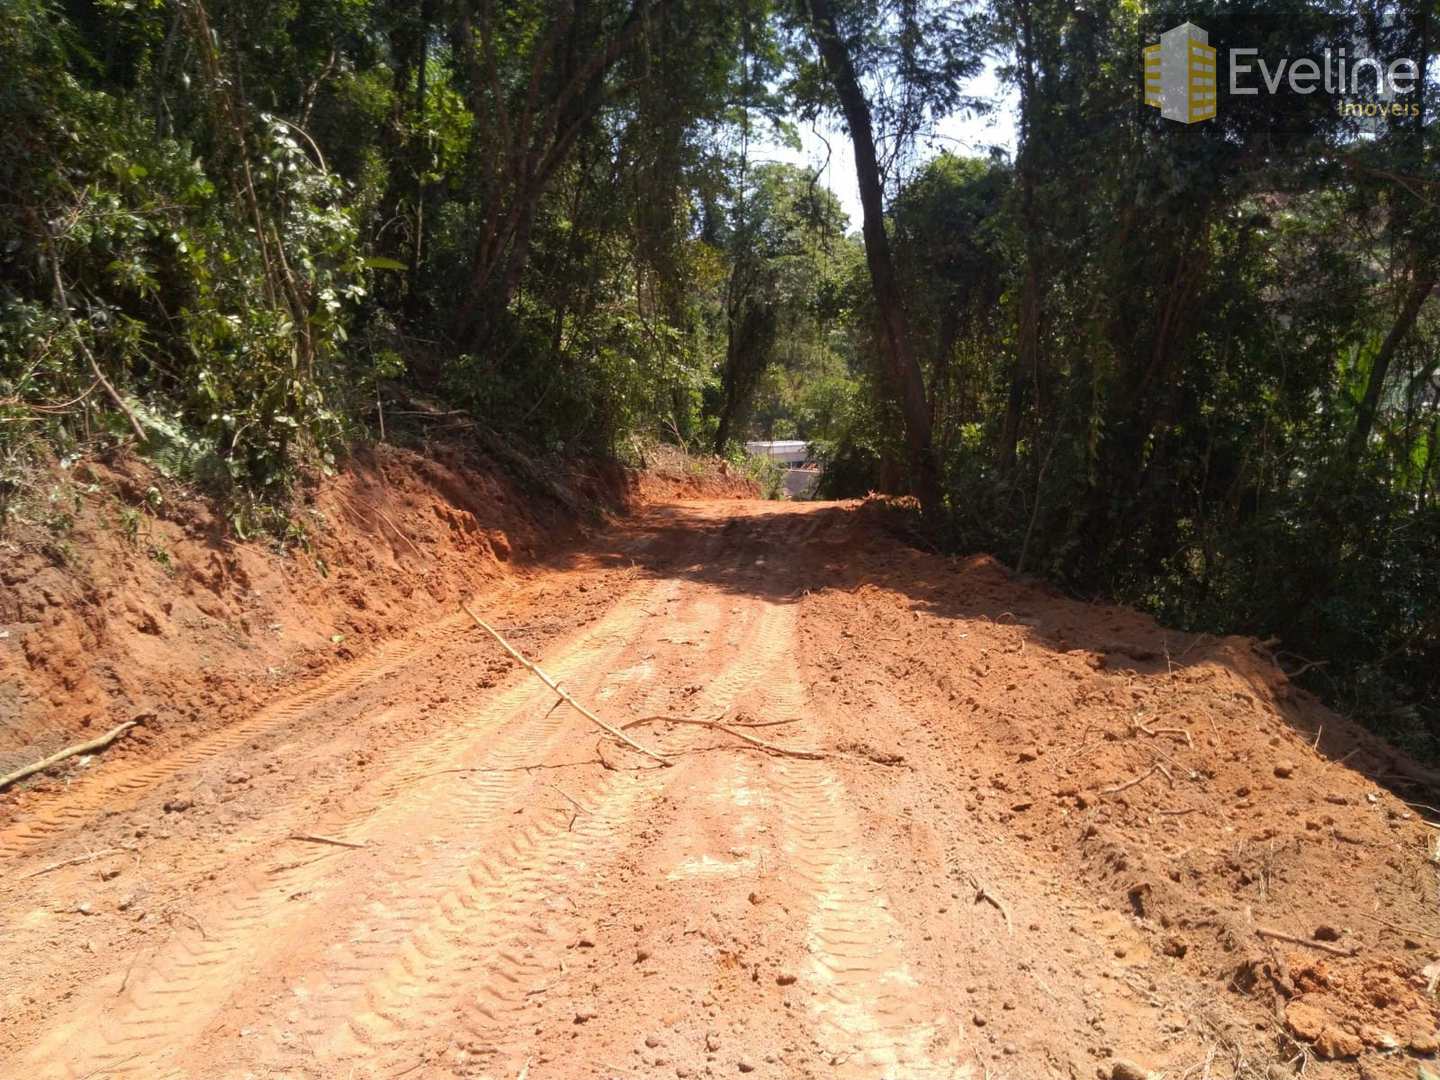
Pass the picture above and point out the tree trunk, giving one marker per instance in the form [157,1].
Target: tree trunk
[1421,285]
[752,328]
[1027,351]
[534,143]
[895,337]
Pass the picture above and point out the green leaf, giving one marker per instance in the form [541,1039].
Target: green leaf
[381,262]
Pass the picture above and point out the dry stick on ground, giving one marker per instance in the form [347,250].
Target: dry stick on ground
[982,893]
[1399,928]
[316,838]
[729,729]
[1278,935]
[69,752]
[1131,783]
[90,857]
[130,967]
[1152,732]
[560,692]
[578,808]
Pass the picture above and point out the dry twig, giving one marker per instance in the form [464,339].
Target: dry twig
[70,751]
[1152,732]
[1399,928]
[316,838]
[100,378]
[560,691]
[984,894]
[731,729]
[1278,935]
[89,857]
[1131,783]
[578,808]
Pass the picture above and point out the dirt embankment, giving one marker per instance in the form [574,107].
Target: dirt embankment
[1243,847]
[127,597]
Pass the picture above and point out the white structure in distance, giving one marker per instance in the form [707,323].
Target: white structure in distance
[801,473]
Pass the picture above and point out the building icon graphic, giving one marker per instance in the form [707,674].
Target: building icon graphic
[1180,75]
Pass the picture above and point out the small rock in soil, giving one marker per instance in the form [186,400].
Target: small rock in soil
[178,806]
[1128,1070]
[1285,769]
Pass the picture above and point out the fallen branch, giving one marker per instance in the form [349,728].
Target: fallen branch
[560,691]
[707,720]
[1334,950]
[316,838]
[90,857]
[1131,783]
[69,752]
[732,729]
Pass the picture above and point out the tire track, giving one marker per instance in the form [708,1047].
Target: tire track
[172,995]
[124,788]
[473,948]
[866,1010]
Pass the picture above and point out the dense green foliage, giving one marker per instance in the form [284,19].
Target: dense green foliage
[1191,370]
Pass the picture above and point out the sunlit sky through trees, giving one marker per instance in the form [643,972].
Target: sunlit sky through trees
[972,134]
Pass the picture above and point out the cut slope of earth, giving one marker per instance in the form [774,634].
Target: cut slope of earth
[1043,841]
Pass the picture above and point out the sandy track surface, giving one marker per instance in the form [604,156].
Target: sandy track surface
[954,890]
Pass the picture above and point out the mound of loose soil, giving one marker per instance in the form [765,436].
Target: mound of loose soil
[1242,836]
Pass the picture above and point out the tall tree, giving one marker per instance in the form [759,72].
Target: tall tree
[537,76]
[896,338]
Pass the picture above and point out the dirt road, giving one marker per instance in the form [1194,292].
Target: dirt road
[955,890]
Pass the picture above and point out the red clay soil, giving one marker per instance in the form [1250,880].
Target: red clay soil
[1043,838]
